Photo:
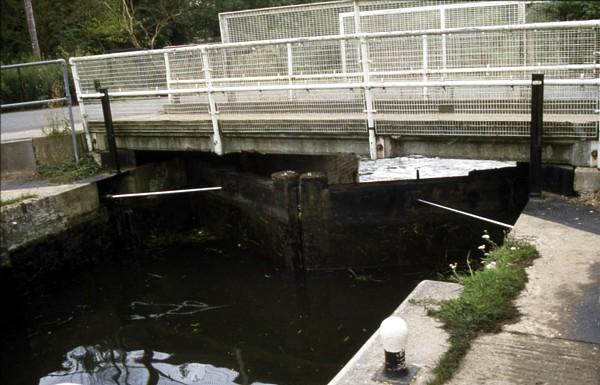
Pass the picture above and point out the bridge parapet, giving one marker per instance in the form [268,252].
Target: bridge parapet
[454,82]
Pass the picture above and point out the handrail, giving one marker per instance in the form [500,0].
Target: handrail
[425,32]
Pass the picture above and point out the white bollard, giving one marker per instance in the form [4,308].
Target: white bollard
[394,334]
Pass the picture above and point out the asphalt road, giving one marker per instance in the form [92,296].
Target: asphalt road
[29,124]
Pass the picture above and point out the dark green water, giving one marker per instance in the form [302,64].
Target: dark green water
[211,303]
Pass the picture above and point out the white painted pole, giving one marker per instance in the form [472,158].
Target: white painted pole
[217,144]
[79,96]
[467,214]
[364,61]
[168,75]
[147,194]
[444,38]
[290,65]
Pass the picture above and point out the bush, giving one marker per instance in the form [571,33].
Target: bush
[32,83]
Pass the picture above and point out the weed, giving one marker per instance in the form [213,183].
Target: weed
[17,199]
[485,304]
[69,171]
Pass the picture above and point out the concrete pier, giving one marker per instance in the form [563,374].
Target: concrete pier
[426,339]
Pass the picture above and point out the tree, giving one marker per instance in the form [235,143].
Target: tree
[32,30]
[145,21]
[565,10]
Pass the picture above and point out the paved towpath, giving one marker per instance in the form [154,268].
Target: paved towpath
[556,341]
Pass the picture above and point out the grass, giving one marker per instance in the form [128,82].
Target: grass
[69,171]
[17,199]
[485,304]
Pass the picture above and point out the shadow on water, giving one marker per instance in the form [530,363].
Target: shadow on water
[217,311]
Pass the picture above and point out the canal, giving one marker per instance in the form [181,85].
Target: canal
[209,303]
[161,297]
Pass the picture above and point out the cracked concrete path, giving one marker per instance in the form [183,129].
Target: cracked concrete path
[556,341]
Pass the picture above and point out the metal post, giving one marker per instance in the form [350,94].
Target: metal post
[78,92]
[364,60]
[108,124]
[342,44]
[425,63]
[21,88]
[537,121]
[65,74]
[168,75]
[290,65]
[444,38]
[218,145]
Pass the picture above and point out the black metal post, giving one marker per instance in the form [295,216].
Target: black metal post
[537,129]
[110,133]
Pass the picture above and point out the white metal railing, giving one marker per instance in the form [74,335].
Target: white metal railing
[399,82]
[336,17]
[34,103]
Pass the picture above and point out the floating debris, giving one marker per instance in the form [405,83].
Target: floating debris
[158,310]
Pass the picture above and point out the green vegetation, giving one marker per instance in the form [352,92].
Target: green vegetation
[485,304]
[565,10]
[17,199]
[69,171]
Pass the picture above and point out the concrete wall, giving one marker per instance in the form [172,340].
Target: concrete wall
[20,159]
[189,136]
[36,219]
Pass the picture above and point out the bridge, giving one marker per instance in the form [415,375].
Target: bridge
[448,80]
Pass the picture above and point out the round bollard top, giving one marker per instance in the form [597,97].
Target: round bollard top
[394,333]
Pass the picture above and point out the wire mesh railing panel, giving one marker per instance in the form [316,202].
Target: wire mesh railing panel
[128,108]
[392,21]
[497,13]
[498,49]
[276,126]
[243,65]
[283,22]
[485,111]
[185,69]
[570,111]
[328,58]
[123,73]
[573,46]
[299,112]
[320,19]
[453,111]
[414,54]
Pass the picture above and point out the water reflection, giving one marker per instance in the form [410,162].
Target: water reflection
[89,365]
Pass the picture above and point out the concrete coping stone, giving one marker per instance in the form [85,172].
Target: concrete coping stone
[427,341]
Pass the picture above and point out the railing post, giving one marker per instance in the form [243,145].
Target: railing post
[425,63]
[212,106]
[108,124]
[444,37]
[342,45]
[88,136]
[364,59]
[65,75]
[290,65]
[168,75]
[537,121]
